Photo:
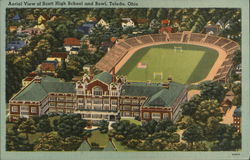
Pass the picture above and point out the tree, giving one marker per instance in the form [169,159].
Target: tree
[189,108]
[44,125]
[193,133]
[71,125]
[206,109]
[212,90]
[103,126]
[71,143]
[27,127]
[49,142]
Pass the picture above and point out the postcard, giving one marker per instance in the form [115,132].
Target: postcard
[124,79]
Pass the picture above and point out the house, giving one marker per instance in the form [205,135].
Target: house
[12,28]
[104,96]
[141,21]
[166,29]
[30,17]
[238,69]
[40,26]
[71,43]
[33,31]
[127,22]
[16,17]
[15,46]
[57,56]
[74,50]
[29,78]
[165,22]
[41,19]
[102,23]
[237,119]
[212,28]
[227,101]
[49,67]
[86,28]
[154,24]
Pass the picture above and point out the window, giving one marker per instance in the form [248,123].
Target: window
[114,102]
[106,108]
[97,107]
[126,114]
[52,98]
[156,115]
[146,115]
[24,108]
[126,107]
[165,115]
[69,104]
[126,101]
[97,91]
[106,101]
[60,99]
[60,104]
[33,110]
[135,101]
[80,100]
[52,104]
[88,100]
[135,108]
[14,108]
[80,92]
[97,101]
[114,93]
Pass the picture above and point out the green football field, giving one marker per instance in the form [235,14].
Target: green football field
[162,61]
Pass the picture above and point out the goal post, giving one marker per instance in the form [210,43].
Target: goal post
[158,74]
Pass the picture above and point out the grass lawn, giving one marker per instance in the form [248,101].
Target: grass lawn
[192,65]
[120,147]
[132,121]
[99,138]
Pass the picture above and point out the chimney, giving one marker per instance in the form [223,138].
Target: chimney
[37,79]
[165,85]
[113,75]
[91,74]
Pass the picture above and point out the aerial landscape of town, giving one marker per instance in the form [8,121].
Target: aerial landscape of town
[123,79]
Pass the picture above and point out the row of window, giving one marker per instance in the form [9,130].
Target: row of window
[24,109]
[155,115]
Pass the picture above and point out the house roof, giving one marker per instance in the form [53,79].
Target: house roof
[48,67]
[167,29]
[59,54]
[30,17]
[237,112]
[72,41]
[104,77]
[16,17]
[85,28]
[165,21]
[158,95]
[15,45]
[37,91]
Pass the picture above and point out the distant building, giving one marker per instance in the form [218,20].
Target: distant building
[154,24]
[15,46]
[167,29]
[58,56]
[33,31]
[29,78]
[86,27]
[30,17]
[49,67]
[74,50]
[16,17]
[237,119]
[70,43]
[102,23]
[212,28]
[12,28]
[127,22]
[100,97]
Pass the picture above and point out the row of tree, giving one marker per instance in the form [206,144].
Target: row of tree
[59,132]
